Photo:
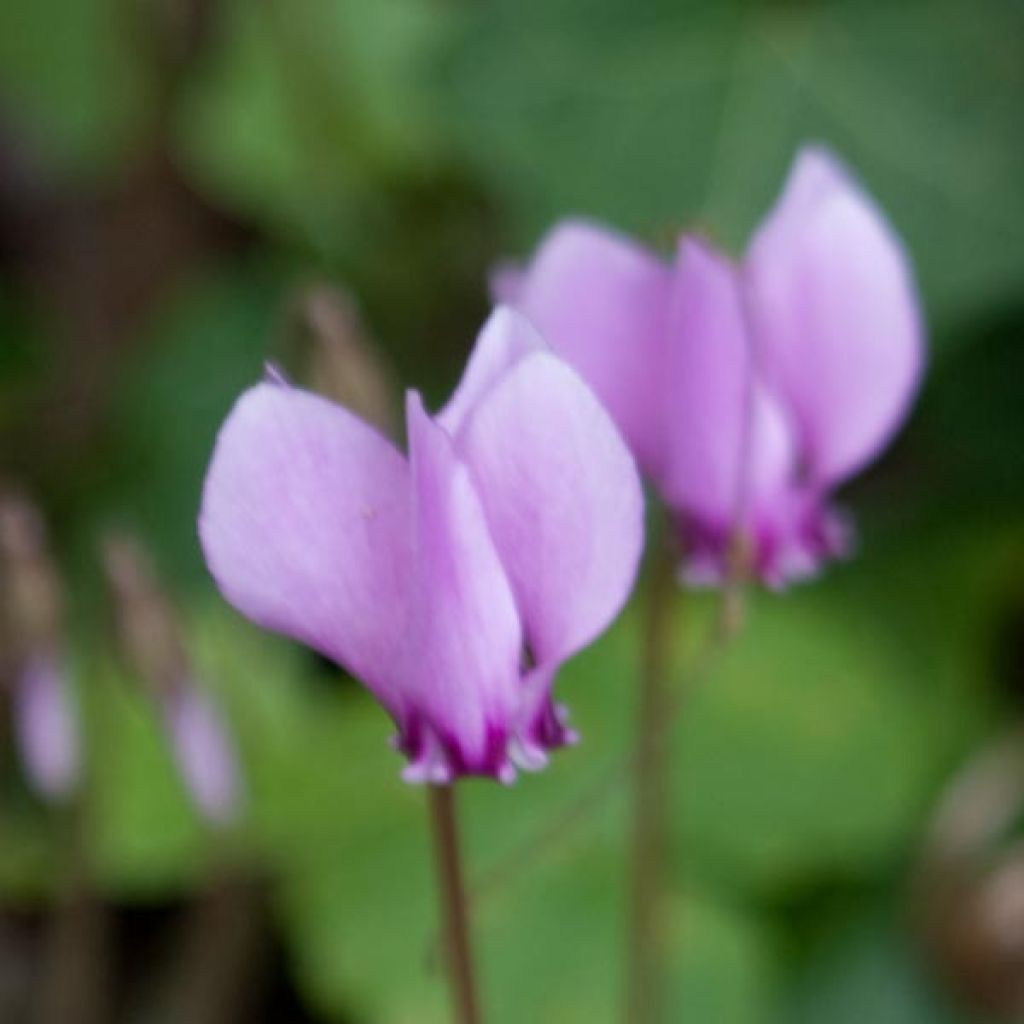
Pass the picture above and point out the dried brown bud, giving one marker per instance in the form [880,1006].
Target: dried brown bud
[148,630]
[29,581]
[343,362]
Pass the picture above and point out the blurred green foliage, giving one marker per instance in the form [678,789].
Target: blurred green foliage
[684,113]
[310,108]
[400,146]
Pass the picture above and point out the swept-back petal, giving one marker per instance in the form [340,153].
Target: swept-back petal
[562,498]
[462,691]
[836,317]
[505,339]
[601,302]
[731,450]
[306,527]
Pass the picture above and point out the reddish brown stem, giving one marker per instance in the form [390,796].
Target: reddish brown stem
[452,890]
[647,869]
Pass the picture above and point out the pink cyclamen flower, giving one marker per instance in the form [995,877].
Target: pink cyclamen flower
[203,752]
[748,393]
[46,727]
[454,581]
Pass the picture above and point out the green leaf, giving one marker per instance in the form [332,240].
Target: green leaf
[76,78]
[307,107]
[685,115]
[801,755]
[144,836]
[869,971]
[814,746]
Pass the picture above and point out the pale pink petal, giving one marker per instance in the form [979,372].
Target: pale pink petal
[601,302]
[46,727]
[814,177]
[505,339]
[563,501]
[462,688]
[305,523]
[836,318]
[731,457]
[204,753]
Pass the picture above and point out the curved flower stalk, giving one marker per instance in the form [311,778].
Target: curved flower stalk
[45,716]
[748,392]
[152,640]
[453,581]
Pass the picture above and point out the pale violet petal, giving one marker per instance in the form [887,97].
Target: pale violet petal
[837,318]
[601,302]
[306,527]
[563,501]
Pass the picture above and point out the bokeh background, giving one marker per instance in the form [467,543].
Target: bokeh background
[177,175]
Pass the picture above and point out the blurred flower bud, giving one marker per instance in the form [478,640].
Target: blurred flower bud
[46,727]
[343,362]
[205,758]
[153,643]
[148,631]
[44,714]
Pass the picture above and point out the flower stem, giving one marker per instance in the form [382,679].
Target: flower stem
[452,891]
[647,883]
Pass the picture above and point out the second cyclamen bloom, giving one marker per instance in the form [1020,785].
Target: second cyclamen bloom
[452,582]
[748,391]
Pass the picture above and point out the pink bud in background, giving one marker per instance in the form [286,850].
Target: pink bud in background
[203,751]
[154,642]
[46,727]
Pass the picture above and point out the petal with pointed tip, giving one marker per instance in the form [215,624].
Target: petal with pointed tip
[505,339]
[305,525]
[563,500]
[836,317]
[814,176]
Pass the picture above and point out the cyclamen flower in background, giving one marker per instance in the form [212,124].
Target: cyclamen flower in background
[748,393]
[452,582]
[203,752]
[44,714]
[152,640]
[46,727]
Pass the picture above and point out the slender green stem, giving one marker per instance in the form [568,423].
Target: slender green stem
[647,882]
[452,890]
